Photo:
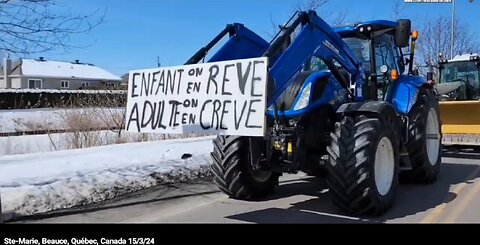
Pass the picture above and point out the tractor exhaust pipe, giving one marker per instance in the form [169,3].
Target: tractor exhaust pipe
[412,52]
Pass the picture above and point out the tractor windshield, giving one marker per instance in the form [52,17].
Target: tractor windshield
[361,49]
[459,71]
[465,73]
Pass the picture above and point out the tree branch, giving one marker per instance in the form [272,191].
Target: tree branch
[32,26]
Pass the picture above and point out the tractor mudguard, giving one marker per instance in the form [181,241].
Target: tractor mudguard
[405,92]
[381,108]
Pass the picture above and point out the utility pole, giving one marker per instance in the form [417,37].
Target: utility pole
[453,30]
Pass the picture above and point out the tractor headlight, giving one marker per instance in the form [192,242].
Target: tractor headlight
[304,98]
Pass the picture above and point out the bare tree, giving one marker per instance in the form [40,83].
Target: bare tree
[435,38]
[321,6]
[397,9]
[310,4]
[34,26]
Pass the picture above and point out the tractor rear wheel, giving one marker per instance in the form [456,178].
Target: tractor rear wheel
[234,172]
[363,165]
[424,146]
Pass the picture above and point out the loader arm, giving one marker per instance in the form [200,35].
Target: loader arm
[242,43]
[315,37]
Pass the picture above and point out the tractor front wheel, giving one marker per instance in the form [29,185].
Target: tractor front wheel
[234,169]
[363,165]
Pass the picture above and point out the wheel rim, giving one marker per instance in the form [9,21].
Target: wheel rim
[260,175]
[433,137]
[257,175]
[384,166]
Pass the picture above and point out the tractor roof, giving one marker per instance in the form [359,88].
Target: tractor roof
[465,57]
[375,25]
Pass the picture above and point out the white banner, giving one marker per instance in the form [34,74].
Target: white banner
[227,97]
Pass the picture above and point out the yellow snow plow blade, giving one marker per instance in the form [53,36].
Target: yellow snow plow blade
[460,122]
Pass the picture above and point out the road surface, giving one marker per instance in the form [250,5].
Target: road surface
[455,197]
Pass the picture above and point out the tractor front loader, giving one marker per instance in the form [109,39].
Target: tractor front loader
[341,101]
[242,43]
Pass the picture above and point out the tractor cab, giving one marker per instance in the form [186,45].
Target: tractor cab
[377,45]
[459,78]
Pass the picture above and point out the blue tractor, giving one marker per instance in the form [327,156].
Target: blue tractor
[343,103]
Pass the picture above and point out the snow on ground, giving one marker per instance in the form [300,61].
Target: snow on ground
[42,182]
[56,119]
[30,143]
[24,144]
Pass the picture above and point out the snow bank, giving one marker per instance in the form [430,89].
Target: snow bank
[55,119]
[31,143]
[41,182]
[24,144]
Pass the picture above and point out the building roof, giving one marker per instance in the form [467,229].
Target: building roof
[61,69]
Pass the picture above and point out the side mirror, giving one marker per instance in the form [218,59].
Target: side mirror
[402,33]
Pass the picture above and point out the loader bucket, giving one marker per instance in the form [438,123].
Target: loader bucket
[460,122]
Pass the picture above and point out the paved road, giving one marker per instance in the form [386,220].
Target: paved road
[455,197]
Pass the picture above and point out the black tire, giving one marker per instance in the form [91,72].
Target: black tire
[351,165]
[424,169]
[233,173]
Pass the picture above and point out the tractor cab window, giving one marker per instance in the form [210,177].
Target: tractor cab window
[385,61]
[464,75]
[315,64]
[361,49]
[384,53]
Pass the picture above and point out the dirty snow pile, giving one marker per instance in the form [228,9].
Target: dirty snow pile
[42,182]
